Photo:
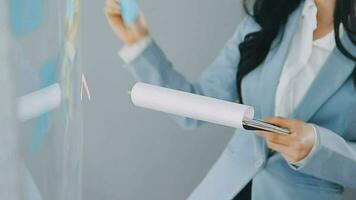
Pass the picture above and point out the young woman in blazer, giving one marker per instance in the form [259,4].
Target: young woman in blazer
[299,55]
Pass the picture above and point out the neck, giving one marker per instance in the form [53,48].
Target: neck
[325,15]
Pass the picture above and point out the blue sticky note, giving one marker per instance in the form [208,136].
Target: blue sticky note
[25,16]
[42,126]
[48,76]
[48,73]
[129,11]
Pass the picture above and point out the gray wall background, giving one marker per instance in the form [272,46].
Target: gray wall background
[132,153]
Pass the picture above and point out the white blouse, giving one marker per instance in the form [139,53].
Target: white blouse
[305,59]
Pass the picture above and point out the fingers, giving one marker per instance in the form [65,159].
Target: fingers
[275,138]
[288,153]
[294,147]
[280,121]
[113,13]
[128,34]
[113,7]
[277,147]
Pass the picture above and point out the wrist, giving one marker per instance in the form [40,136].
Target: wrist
[137,39]
[312,149]
[129,53]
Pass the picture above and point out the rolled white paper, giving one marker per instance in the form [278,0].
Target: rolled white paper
[39,102]
[190,105]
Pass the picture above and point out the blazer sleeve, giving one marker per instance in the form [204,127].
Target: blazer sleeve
[334,159]
[217,81]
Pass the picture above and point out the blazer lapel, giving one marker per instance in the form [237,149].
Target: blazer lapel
[334,73]
[270,74]
[274,63]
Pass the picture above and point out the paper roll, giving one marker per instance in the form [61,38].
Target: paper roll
[190,105]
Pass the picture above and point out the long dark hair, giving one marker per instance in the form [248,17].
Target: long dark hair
[272,15]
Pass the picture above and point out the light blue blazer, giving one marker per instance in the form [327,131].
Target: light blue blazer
[330,104]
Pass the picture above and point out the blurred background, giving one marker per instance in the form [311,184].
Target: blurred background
[132,153]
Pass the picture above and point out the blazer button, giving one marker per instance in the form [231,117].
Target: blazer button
[259,163]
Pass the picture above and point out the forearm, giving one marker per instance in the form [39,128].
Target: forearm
[152,66]
[334,159]
[148,64]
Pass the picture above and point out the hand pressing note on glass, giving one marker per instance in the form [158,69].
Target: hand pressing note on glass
[128,33]
[294,147]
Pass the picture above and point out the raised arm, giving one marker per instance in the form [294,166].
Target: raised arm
[148,63]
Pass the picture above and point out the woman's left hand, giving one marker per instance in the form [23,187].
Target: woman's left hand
[294,147]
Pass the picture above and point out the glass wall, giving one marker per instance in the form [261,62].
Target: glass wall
[41,122]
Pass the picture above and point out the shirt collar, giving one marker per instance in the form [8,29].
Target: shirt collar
[308,6]
[327,42]
[309,17]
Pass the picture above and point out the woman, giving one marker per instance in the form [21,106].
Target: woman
[290,58]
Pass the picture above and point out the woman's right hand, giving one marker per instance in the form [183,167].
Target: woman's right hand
[128,34]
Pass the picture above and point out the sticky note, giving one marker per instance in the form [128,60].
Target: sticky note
[41,128]
[48,73]
[25,16]
[48,76]
[129,11]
